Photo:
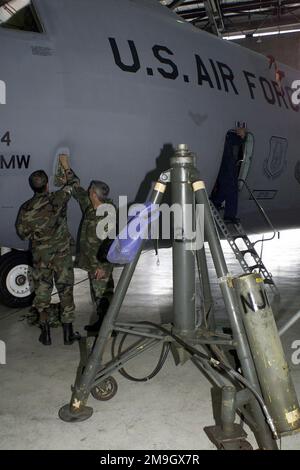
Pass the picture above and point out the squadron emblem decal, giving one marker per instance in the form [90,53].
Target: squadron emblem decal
[276,162]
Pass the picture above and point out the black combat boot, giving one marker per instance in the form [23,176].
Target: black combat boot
[102,307]
[69,335]
[45,337]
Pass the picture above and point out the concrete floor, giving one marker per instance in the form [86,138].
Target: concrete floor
[168,412]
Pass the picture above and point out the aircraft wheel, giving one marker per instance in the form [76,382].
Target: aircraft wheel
[16,284]
[106,390]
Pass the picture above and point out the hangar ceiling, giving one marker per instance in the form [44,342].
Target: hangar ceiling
[227,18]
[234,17]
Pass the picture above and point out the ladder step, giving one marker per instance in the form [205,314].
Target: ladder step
[235,237]
[239,233]
[270,282]
[256,266]
[252,252]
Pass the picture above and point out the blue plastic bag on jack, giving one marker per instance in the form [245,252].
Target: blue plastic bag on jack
[126,246]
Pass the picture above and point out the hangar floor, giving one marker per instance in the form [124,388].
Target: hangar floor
[167,413]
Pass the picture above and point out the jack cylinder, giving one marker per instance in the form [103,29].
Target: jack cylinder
[268,355]
[184,285]
[228,410]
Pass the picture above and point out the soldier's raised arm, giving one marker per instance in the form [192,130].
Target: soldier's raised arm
[63,195]
[82,197]
[79,193]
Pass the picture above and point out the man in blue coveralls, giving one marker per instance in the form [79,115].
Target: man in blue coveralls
[226,189]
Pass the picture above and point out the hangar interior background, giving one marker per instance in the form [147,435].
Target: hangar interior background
[266,26]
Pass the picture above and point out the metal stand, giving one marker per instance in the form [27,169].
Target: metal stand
[186,340]
[229,435]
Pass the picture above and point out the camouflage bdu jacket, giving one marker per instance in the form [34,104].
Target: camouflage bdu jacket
[88,257]
[43,221]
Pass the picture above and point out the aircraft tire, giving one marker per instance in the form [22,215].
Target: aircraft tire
[16,286]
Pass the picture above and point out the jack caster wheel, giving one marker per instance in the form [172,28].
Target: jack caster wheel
[106,390]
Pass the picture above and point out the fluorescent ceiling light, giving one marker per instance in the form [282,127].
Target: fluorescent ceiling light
[257,35]
[269,33]
[290,31]
[273,33]
[232,38]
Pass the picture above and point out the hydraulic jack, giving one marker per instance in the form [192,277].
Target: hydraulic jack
[259,387]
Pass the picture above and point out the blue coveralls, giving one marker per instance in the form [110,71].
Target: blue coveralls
[227,181]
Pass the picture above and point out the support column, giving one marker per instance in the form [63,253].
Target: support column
[184,283]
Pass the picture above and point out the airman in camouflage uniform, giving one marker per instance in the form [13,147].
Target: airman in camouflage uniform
[43,221]
[90,258]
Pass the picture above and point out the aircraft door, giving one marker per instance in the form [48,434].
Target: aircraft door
[246,160]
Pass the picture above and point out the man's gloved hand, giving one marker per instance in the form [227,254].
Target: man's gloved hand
[63,167]
[100,274]
[241,132]
[64,161]
[69,178]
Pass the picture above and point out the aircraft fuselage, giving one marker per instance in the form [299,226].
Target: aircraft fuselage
[121,83]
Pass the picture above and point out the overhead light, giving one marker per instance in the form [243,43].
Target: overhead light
[274,33]
[232,38]
[290,31]
[259,35]
[269,33]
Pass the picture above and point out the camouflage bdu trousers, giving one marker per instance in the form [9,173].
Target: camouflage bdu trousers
[104,288]
[48,269]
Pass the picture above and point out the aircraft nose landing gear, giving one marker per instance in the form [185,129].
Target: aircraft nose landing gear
[21,279]
[16,284]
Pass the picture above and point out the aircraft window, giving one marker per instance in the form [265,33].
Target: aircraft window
[20,15]
[246,158]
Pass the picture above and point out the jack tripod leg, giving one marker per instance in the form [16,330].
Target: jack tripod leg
[228,435]
[207,295]
[262,432]
[77,410]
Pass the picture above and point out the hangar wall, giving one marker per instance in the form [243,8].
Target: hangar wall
[285,48]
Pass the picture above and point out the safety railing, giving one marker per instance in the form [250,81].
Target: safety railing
[262,212]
